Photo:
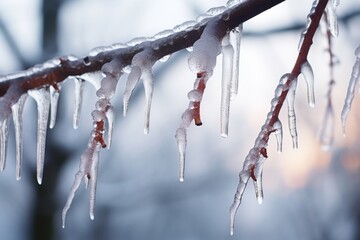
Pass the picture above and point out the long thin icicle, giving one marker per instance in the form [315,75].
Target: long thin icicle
[355,76]
[17,110]
[54,97]
[235,40]
[78,92]
[227,71]
[4,134]
[42,98]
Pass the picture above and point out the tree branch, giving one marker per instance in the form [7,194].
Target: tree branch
[58,69]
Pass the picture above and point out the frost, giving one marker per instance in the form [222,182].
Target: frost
[79,89]
[290,99]
[17,110]
[308,74]
[227,65]
[54,97]
[354,79]
[42,98]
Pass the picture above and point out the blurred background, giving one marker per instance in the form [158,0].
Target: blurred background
[309,193]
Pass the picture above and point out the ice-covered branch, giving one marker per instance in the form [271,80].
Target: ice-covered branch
[254,160]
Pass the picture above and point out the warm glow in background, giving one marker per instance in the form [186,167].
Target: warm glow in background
[309,193]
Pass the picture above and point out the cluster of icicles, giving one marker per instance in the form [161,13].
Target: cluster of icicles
[202,60]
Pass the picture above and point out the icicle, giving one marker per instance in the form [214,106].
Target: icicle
[308,74]
[110,116]
[181,142]
[227,65]
[148,87]
[88,167]
[327,129]
[244,178]
[355,76]
[17,110]
[54,97]
[278,135]
[258,170]
[4,133]
[93,181]
[332,18]
[42,98]
[133,79]
[235,39]
[290,99]
[79,89]
[142,64]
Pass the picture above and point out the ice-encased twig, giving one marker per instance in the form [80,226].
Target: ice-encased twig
[78,92]
[17,110]
[42,98]
[110,117]
[258,171]
[354,79]
[227,71]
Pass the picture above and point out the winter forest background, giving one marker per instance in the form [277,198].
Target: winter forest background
[309,193]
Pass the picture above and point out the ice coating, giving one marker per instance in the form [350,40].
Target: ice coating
[312,10]
[54,97]
[308,74]
[227,71]
[17,110]
[42,98]
[232,3]
[4,134]
[184,26]
[78,92]
[290,99]
[93,181]
[332,18]
[216,10]
[354,79]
